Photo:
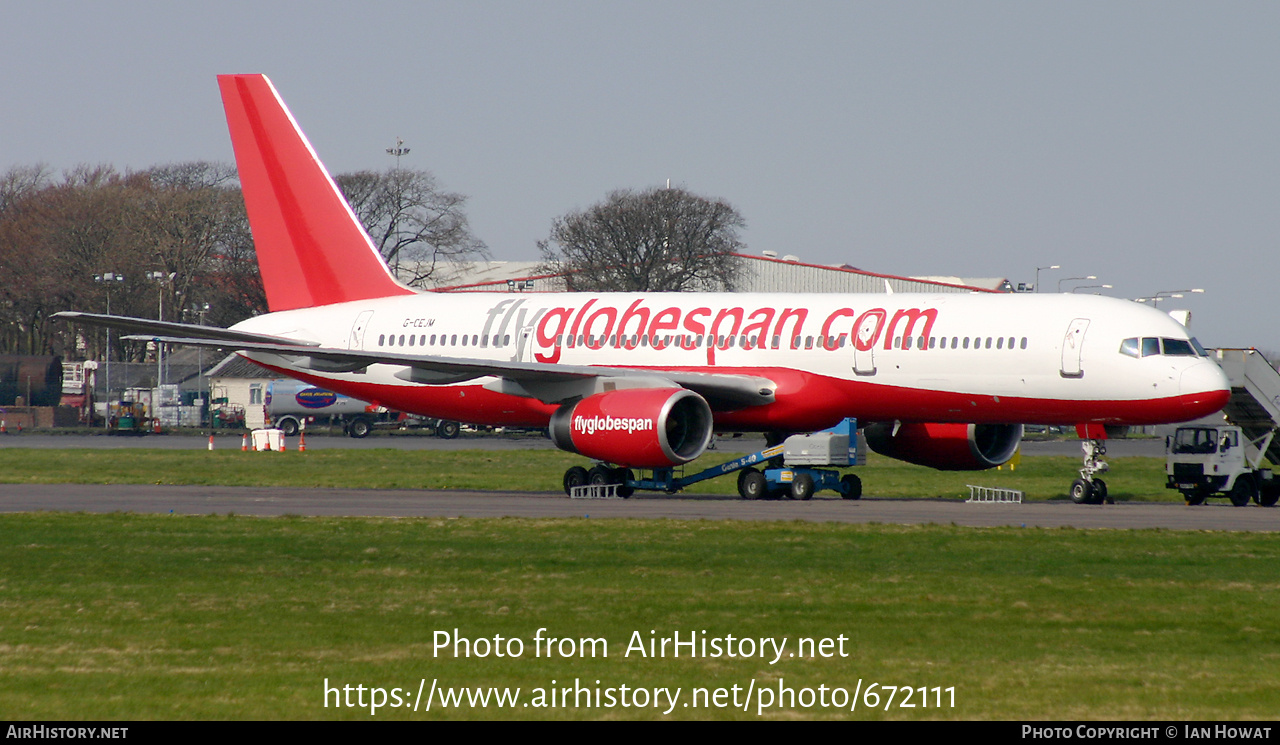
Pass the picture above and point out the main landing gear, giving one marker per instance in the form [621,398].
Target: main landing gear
[600,475]
[1087,489]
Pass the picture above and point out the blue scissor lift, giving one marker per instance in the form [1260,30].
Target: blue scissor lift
[795,478]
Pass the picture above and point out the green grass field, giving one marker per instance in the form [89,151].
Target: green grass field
[1131,479]
[180,617]
[173,617]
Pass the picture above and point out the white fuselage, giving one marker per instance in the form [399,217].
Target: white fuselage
[977,357]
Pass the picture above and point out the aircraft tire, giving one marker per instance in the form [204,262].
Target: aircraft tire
[600,476]
[620,477]
[1081,492]
[1099,491]
[576,476]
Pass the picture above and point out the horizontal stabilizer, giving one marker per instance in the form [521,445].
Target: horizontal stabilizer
[147,330]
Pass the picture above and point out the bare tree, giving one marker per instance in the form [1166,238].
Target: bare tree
[415,224]
[185,221]
[663,240]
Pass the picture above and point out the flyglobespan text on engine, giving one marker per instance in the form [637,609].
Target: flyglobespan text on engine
[590,424]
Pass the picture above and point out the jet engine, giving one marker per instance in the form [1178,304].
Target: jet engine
[946,447]
[641,427]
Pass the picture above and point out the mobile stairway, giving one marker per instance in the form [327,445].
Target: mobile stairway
[1254,405]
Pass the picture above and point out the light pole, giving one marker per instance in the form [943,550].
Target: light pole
[1072,279]
[1091,287]
[161,279]
[108,278]
[1155,299]
[397,151]
[1055,266]
[199,310]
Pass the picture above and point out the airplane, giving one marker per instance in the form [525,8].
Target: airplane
[644,380]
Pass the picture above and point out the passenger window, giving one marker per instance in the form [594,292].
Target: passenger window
[1000,343]
[1150,346]
[1024,342]
[988,342]
[966,342]
[382,339]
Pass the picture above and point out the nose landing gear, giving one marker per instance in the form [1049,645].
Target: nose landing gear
[1087,489]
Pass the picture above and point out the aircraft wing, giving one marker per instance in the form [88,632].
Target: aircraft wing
[551,383]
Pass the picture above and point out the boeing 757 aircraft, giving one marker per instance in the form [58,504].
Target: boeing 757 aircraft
[645,379]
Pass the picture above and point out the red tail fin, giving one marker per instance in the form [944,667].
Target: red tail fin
[311,248]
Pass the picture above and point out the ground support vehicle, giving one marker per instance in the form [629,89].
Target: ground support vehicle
[289,405]
[789,470]
[1203,461]
[1229,457]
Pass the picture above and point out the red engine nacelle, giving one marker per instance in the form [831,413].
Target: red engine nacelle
[642,427]
[946,447]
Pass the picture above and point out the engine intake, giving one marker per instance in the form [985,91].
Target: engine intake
[946,447]
[641,427]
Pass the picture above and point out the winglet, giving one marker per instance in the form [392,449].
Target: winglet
[312,250]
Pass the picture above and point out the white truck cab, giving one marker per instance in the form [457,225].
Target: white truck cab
[1204,461]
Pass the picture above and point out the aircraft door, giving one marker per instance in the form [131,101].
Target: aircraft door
[1073,347]
[524,352]
[864,346]
[356,340]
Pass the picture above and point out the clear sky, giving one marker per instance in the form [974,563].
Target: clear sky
[1135,141]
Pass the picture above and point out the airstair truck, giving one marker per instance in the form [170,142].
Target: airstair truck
[1231,458]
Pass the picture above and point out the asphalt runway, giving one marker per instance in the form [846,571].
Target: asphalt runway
[1217,515]
[422,503]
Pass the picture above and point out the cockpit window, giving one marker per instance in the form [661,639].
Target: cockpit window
[1195,441]
[1178,347]
[1150,346]
[1130,347]
[1199,349]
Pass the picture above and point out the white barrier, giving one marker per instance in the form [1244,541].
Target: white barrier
[594,491]
[993,495]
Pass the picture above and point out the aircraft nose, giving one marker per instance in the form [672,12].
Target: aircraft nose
[1204,388]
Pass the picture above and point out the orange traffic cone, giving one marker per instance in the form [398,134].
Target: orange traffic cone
[244,444]
[302,442]
[211,441]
